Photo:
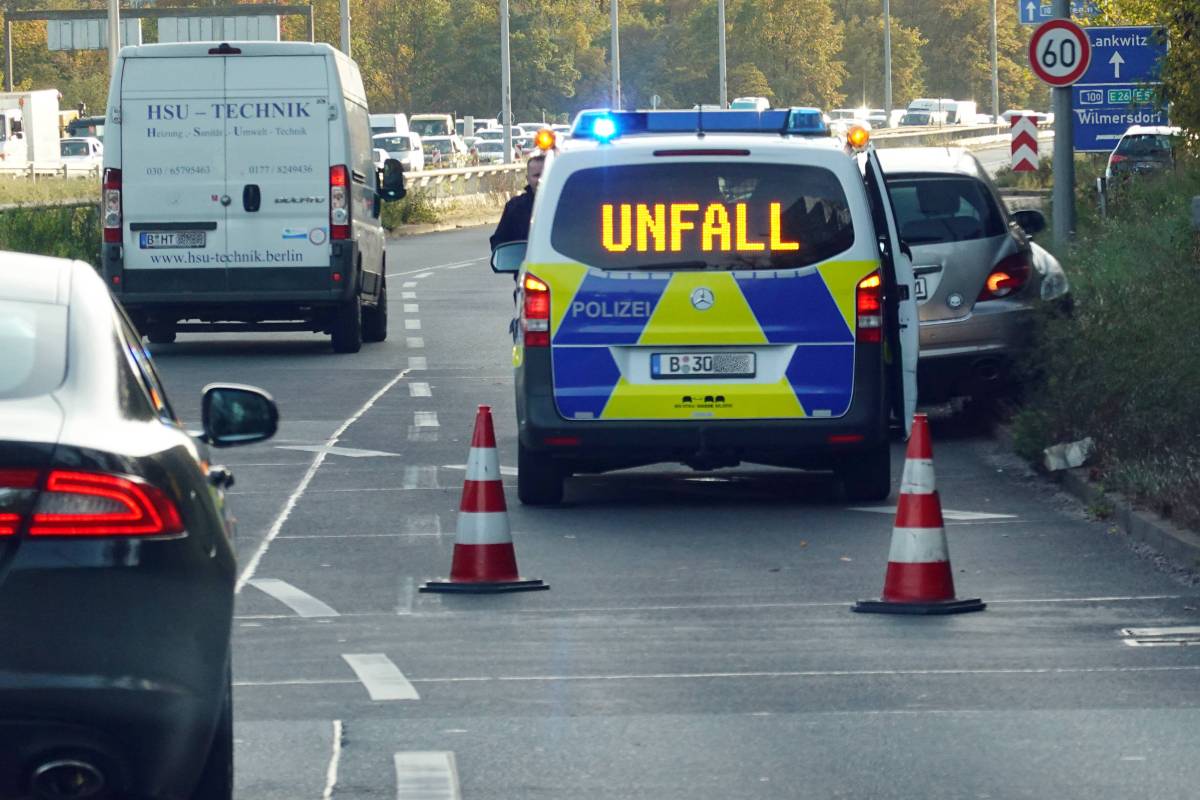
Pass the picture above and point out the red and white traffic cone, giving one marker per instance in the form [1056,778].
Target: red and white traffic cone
[919,579]
[484,558]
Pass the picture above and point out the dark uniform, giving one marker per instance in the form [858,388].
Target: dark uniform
[514,222]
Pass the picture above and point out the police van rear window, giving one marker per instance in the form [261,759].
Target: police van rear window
[715,216]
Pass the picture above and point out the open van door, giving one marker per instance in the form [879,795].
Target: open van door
[903,331]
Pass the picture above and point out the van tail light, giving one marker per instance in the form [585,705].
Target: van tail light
[535,313]
[85,504]
[1006,278]
[339,202]
[868,302]
[112,206]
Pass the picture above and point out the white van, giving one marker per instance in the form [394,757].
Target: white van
[432,125]
[389,123]
[240,192]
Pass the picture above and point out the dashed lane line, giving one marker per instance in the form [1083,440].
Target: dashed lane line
[425,272]
[294,598]
[412,324]
[415,342]
[382,679]
[426,419]
[419,477]
[420,389]
[294,498]
[409,284]
[427,775]
[412,308]
[417,363]
[331,772]
[409,295]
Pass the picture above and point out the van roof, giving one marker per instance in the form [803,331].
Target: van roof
[194,49]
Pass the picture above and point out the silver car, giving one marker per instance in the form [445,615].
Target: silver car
[979,277]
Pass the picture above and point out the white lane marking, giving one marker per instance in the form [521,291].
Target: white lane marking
[509,471]
[947,513]
[359,535]
[1177,636]
[406,284]
[425,272]
[294,498]
[833,673]
[409,295]
[349,452]
[430,775]
[382,679]
[425,419]
[415,342]
[417,477]
[412,324]
[331,772]
[296,599]
[421,389]
[417,362]
[407,592]
[411,308]
[416,434]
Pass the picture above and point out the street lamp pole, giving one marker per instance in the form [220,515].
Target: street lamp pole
[345,15]
[724,96]
[995,70]
[505,84]
[114,34]
[615,55]
[887,62]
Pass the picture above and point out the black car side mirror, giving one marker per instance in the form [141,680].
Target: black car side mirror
[507,257]
[1031,220]
[391,180]
[232,415]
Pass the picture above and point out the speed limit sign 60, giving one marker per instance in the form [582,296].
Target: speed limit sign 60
[1059,52]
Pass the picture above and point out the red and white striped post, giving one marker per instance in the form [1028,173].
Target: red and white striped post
[1024,143]
[919,579]
[484,558]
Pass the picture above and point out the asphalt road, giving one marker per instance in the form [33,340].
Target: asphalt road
[697,641]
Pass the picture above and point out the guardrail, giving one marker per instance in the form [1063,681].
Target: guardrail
[35,171]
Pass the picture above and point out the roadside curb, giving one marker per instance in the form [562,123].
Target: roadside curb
[439,227]
[1178,544]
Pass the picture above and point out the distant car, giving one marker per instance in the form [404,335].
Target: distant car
[82,153]
[751,103]
[116,596]
[524,145]
[404,147]
[914,118]
[490,135]
[979,277]
[1008,114]
[444,152]
[1143,149]
[491,152]
[86,126]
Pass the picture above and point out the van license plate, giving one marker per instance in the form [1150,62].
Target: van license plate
[702,365]
[172,240]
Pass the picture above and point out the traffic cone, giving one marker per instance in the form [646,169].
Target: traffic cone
[919,579]
[484,559]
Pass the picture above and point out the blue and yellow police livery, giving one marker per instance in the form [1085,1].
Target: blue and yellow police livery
[709,299]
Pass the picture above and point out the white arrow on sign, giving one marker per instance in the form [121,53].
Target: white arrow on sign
[1031,9]
[1116,62]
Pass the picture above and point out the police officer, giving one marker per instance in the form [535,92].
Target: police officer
[514,222]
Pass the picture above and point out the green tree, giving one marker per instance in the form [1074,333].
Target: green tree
[863,54]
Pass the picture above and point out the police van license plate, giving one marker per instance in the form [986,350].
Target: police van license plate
[702,365]
[172,240]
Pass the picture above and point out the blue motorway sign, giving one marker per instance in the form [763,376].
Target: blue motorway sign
[1103,111]
[1125,55]
[1035,12]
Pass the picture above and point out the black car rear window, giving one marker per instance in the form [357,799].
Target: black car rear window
[1145,144]
[721,215]
[33,348]
[936,209]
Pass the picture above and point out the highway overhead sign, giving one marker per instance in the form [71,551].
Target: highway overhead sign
[1125,55]
[1035,12]
[1059,52]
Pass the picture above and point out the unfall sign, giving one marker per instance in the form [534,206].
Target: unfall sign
[1024,144]
[662,227]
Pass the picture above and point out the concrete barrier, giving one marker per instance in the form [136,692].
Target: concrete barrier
[445,185]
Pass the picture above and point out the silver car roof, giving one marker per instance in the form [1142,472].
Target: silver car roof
[943,160]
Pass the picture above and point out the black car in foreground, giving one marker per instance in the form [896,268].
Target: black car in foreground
[117,568]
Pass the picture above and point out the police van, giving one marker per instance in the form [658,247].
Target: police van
[710,288]
[240,192]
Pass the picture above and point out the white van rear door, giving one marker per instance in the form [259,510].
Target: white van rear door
[277,161]
[173,164]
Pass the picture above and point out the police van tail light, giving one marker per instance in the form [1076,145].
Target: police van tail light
[339,202]
[868,303]
[535,314]
[112,205]
[1006,278]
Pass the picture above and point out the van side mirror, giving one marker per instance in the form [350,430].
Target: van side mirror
[1031,220]
[507,257]
[233,415]
[391,180]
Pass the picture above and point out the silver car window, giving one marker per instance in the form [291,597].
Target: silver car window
[939,209]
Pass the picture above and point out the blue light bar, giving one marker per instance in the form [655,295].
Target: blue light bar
[604,125]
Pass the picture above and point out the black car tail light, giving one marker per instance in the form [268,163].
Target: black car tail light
[1006,278]
[98,504]
[18,488]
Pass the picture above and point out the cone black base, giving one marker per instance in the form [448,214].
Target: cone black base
[925,609]
[484,587]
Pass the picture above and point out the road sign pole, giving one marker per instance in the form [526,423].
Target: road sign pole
[1064,156]
[615,54]
[114,34]
[887,62]
[723,92]
[505,84]
[995,70]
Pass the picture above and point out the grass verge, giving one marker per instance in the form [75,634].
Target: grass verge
[64,231]
[1123,369]
[47,190]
